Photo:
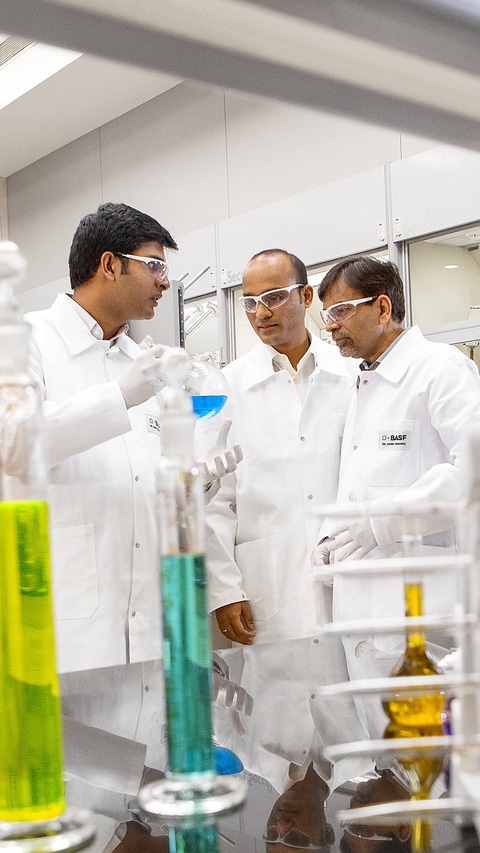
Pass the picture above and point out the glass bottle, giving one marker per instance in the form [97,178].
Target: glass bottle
[31,784]
[416,715]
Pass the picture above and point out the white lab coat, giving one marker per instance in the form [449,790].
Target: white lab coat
[402,441]
[262,524]
[101,495]
[102,504]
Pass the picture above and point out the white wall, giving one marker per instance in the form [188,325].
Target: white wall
[190,157]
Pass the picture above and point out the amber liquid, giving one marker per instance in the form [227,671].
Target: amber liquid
[417,715]
[31,783]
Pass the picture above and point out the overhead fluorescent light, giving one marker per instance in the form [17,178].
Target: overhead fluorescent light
[27,65]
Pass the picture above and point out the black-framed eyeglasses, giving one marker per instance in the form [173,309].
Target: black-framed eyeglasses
[292,838]
[271,299]
[158,268]
[343,310]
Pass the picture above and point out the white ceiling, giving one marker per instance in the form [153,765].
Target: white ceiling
[81,97]
[412,65]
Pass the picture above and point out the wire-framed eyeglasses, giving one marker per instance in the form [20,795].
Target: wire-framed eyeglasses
[271,299]
[343,310]
[158,268]
[292,838]
[368,833]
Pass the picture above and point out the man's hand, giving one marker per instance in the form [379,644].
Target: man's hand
[142,379]
[236,622]
[231,696]
[352,539]
[219,461]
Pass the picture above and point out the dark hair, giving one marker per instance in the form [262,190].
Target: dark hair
[370,277]
[112,228]
[298,266]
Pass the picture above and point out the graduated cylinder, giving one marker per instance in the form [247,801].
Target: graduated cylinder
[186,627]
[31,784]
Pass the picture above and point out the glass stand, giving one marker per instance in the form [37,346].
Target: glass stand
[176,800]
[71,831]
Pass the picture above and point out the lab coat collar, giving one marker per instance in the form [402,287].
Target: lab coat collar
[74,332]
[395,365]
[259,367]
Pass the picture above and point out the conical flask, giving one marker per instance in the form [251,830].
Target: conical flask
[31,784]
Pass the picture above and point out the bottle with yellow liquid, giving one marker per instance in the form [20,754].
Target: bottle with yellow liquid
[416,716]
[31,783]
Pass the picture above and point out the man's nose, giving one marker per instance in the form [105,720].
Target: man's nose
[331,324]
[262,310]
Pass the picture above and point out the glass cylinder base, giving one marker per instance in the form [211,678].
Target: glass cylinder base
[176,800]
[71,831]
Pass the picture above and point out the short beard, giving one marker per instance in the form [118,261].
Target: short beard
[348,350]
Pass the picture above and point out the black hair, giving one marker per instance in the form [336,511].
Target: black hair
[112,228]
[298,266]
[370,277]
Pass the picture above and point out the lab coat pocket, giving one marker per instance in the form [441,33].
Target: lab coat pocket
[397,454]
[257,562]
[74,564]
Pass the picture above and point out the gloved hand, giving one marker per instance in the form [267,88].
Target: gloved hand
[142,379]
[352,538]
[320,555]
[319,558]
[219,461]
[230,695]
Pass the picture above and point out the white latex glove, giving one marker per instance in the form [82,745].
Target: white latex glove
[230,695]
[142,379]
[352,539]
[219,461]
[319,558]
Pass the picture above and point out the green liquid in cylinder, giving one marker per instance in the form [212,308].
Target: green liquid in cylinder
[31,784]
[194,840]
[188,665]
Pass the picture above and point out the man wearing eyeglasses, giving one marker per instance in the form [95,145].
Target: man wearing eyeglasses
[287,399]
[103,443]
[401,446]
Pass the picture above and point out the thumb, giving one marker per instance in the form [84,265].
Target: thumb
[158,350]
[223,435]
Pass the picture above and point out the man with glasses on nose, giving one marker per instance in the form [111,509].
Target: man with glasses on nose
[103,444]
[401,445]
[287,399]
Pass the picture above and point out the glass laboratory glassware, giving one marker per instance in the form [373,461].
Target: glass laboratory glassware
[192,786]
[415,715]
[32,798]
[31,784]
[206,385]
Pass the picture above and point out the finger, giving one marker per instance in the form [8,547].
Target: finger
[229,695]
[340,541]
[239,698]
[204,471]
[237,723]
[248,708]
[158,350]
[218,468]
[237,453]
[223,435]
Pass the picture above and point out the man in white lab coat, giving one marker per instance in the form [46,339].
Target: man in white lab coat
[287,399]
[102,438]
[401,446]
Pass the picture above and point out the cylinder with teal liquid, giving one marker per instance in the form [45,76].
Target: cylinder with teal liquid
[186,625]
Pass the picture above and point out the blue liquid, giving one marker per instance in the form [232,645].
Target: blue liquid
[208,405]
[226,761]
[188,665]
[196,840]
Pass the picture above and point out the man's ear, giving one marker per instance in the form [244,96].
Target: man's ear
[308,295]
[403,832]
[385,308]
[110,265]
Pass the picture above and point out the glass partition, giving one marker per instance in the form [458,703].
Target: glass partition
[444,275]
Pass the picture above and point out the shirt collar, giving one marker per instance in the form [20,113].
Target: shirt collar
[94,328]
[364,365]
